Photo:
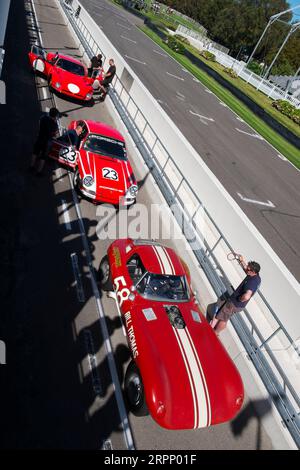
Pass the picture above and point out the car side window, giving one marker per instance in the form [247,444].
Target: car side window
[135,268]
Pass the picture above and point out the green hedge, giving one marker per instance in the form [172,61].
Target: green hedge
[286,108]
[208,55]
[182,39]
[175,45]
[230,72]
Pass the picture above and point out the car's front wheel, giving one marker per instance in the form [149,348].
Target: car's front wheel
[134,391]
[76,179]
[105,275]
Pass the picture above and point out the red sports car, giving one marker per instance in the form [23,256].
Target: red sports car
[179,371]
[66,75]
[102,170]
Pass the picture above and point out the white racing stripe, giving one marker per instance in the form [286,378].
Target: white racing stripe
[170,261]
[167,267]
[203,378]
[198,388]
[158,259]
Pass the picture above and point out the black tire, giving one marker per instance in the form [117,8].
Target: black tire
[134,391]
[104,274]
[76,179]
[50,83]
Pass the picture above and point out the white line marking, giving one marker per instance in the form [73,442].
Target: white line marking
[160,53]
[223,104]
[135,60]
[59,174]
[90,349]
[122,26]
[182,96]
[128,39]
[77,277]
[185,70]
[202,117]
[239,119]
[256,136]
[208,91]
[175,76]
[66,215]
[282,157]
[253,201]
[196,80]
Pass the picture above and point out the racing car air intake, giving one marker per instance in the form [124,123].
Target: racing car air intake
[175,317]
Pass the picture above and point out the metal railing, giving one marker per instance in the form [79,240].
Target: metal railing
[163,168]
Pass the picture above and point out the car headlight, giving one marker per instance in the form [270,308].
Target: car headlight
[88,181]
[88,96]
[132,191]
[57,85]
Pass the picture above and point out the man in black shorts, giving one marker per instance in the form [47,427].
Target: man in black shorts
[240,297]
[48,128]
[107,79]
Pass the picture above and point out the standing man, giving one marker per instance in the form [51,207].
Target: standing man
[95,65]
[240,297]
[107,78]
[48,129]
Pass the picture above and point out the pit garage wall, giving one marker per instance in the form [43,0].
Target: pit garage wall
[279,287]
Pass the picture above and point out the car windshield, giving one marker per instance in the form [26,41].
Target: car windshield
[163,287]
[71,67]
[105,146]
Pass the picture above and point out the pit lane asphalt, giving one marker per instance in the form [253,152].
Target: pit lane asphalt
[49,395]
[243,163]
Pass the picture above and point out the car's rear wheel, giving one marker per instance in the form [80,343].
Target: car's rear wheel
[134,391]
[105,275]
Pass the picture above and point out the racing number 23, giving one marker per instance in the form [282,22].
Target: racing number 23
[67,153]
[110,174]
[122,293]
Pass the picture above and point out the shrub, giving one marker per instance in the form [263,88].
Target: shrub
[175,45]
[230,72]
[182,39]
[208,55]
[286,108]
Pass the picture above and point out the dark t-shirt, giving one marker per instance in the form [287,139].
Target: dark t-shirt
[48,128]
[112,71]
[70,138]
[249,283]
[94,62]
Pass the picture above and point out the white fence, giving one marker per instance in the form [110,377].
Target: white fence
[266,87]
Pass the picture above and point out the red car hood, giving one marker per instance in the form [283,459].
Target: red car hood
[67,78]
[187,370]
[118,173]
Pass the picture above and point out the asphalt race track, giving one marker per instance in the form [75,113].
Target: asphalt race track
[248,167]
[57,391]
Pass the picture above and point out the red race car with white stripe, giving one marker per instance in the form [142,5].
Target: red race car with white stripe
[179,372]
[66,75]
[102,170]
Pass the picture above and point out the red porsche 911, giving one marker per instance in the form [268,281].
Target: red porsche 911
[180,372]
[102,170]
[66,75]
